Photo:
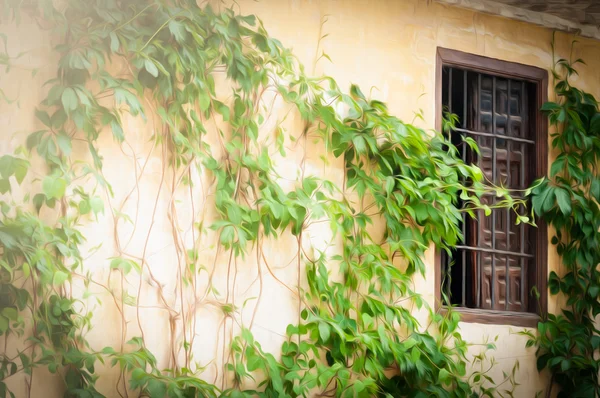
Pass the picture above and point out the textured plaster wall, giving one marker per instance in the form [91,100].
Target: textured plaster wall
[391,45]
[386,45]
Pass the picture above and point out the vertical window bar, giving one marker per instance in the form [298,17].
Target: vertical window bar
[449,281]
[507,128]
[464,279]
[508,125]
[464,147]
[507,283]
[478,102]
[524,264]
[478,255]
[522,230]
[494,181]
[464,227]
[478,279]
[465,91]
[464,217]
[507,226]
[450,90]
[523,112]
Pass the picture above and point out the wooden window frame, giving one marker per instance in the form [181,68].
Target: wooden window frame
[481,64]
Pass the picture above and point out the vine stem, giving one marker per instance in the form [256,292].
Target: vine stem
[155,33]
[134,17]
[143,263]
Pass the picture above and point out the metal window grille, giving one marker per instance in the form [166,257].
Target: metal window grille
[492,268]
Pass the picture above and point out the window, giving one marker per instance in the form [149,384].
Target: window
[489,276]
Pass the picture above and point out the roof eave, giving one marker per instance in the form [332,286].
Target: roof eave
[534,17]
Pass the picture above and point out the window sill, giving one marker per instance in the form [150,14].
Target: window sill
[492,317]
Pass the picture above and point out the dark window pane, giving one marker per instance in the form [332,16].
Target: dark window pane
[491,268]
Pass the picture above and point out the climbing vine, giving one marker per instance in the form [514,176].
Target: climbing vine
[568,343]
[224,102]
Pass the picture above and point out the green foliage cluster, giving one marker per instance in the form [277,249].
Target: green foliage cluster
[568,343]
[357,334]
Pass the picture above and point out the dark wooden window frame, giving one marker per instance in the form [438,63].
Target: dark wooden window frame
[477,63]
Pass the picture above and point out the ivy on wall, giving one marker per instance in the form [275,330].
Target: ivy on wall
[568,343]
[356,333]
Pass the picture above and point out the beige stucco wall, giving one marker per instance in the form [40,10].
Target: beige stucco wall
[389,45]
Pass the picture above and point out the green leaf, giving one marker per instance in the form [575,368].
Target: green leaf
[11,313]
[117,131]
[177,29]
[564,200]
[443,376]
[550,106]
[543,199]
[10,165]
[38,200]
[356,92]
[557,166]
[4,186]
[3,324]
[389,184]
[247,336]
[114,42]
[69,99]
[43,117]
[123,95]
[415,355]
[21,168]
[254,363]
[64,143]
[358,386]
[156,388]
[7,166]
[324,331]
[58,119]
[84,207]
[222,109]
[97,205]
[60,277]
[227,235]
[33,140]
[26,270]
[204,101]
[359,144]
[54,187]
[595,189]
[151,68]
[252,130]
[124,264]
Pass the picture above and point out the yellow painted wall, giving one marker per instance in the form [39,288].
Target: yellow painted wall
[389,45]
